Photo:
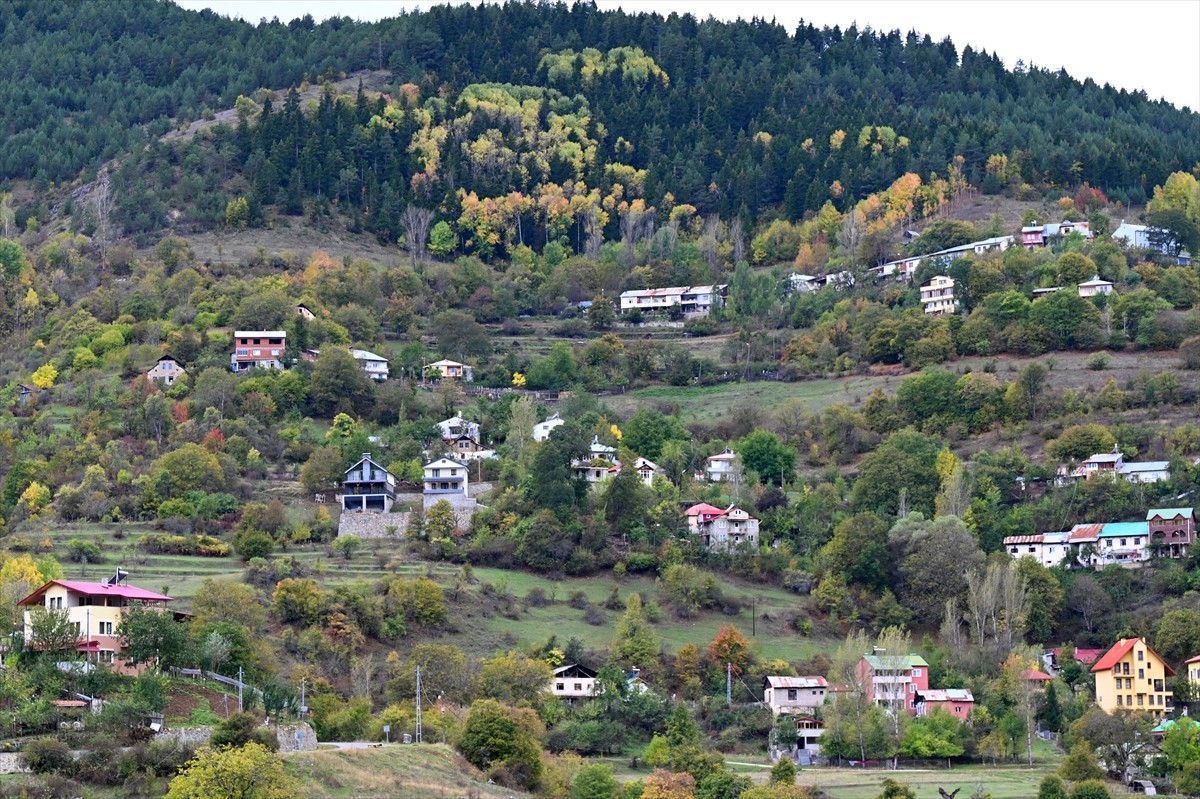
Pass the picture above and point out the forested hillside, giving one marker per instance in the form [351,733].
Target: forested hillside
[738,118]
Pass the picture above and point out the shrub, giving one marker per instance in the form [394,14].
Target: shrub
[1189,352]
[47,755]
[1189,779]
[578,600]
[80,550]
[205,546]
[253,544]
[1090,789]
[241,729]
[594,616]
[1098,361]
[536,598]
[176,508]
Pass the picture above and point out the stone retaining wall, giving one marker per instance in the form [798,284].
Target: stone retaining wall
[292,737]
[13,763]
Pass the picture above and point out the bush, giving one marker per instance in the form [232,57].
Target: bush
[241,729]
[1091,789]
[594,616]
[578,600]
[1189,352]
[1098,361]
[47,755]
[80,550]
[1189,779]
[637,562]
[253,544]
[176,509]
[205,546]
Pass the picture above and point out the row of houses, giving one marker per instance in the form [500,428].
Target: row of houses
[1165,533]
[937,296]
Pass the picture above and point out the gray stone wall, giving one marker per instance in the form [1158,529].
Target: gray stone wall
[13,763]
[373,525]
[292,737]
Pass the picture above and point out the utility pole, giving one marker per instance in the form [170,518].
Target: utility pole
[303,704]
[241,682]
[753,617]
[417,737]
[728,685]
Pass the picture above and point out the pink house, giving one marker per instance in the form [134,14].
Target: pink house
[892,679]
[955,701]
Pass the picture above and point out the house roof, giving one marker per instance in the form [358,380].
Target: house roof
[260,333]
[1082,533]
[1095,282]
[366,355]
[1120,529]
[167,357]
[448,461]
[1037,674]
[645,463]
[795,682]
[445,362]
[946,695]
[367,457]
[574,670]
[1145,466]
[1105,457]
[97,589]
[1193,660]
[727,455]
[910,661]
[1084,656]
[703,509]
[1022,539]
[1169,513]
[1122,648]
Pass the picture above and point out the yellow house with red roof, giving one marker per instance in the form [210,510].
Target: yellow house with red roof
[1132,676]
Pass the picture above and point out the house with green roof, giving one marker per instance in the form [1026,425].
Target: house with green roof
[1172,531]
[894,681]
[1123,543]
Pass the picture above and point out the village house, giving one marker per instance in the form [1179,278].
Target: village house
[1144,237]
[1083,539]
[789,695]
[1123,543]
[595,470]
[542,430]
[456,427]
[938,296]
[465,448]
[646,470]
[445,476]
[904,268]
[26,393]
[958,702]
[447,369]
[1042,292]
[690,300]
[722,529]
[1114,464]
[796,283]
[1048,549]
[1172,531]
[303,311]
[1133,677]
[721,468]
[96,611]
[261,349]
[376,366]
[368,486]
[891,680]
[1035,235]
[1193,669]
[1090,288]
[166,371]
[573,682]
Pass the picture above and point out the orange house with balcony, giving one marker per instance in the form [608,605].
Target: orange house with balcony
[261,349]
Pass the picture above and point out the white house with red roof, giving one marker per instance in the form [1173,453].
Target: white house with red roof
[96,610]
[722,529]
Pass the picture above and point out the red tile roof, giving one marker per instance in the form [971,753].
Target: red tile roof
[1036,674]
[704,509]
[1122,648]
[1084,656]
[97,589]
[1193,660]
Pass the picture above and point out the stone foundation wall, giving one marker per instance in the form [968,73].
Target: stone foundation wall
[373,525]
[13,763]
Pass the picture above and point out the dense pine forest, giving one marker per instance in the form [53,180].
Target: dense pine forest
[244,266]
[734,118]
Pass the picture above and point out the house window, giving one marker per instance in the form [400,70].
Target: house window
[105,656]
[1141,654]
[1125,666]
[916,672]
[1119,700]
[104,628]
[578,686]
[791,694]
[558,686]
[1139,700]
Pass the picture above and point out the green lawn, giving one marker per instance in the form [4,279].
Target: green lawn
[1005,782]
[709,403]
